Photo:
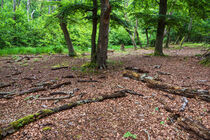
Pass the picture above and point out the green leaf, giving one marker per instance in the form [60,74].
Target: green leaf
[162,122]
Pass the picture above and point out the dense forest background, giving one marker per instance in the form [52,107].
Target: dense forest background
[35,23]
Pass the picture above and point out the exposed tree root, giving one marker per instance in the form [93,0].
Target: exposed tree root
[6,95]
[32,90]
[16,125]
[82,81]
[186,92]
[59,85]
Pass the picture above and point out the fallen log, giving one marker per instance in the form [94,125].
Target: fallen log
[151,83]
[60,85]
[138,70]
[58,68]
[3,85]
[187,124]
[83,81]
[16,125]
[32,90]
[195,127]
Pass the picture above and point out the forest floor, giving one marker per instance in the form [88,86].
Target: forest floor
[109,119]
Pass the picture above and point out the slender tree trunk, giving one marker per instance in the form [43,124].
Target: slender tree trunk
[137,34]
[32,14]
[63,26]
[177,40]
[14,8]
[147,36]
[103,34]
[2,4]
[185,38]
[18,3]
[128,30]
[28,9]
[94,31]
[160,28]
[168,38]
[49,8]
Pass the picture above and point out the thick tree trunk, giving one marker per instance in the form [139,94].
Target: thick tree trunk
[137,34]
[63,26]
[28,9]
[160,28]
[94,32]
[168,38]
[103,34]
[2,4]
[147,36]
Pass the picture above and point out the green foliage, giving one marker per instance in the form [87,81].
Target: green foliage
[129,135]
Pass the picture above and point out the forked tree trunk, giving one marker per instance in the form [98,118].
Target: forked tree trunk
[161,27]
[103,34]
[94,32]
[63,26]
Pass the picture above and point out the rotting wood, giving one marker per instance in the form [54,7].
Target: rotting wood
[6,95]
[60,85]
[58,68]
[3,85]
[82,81]
[68,76]
[32,90]
[138,70]
[16,125]
[186,92]
[187,124]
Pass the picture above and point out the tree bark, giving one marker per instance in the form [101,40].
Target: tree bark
[137,34]
[49,8]
[2,4]
[103,34]
[28,9]
[14,8]
[146,31]
[63,26]
[94,32]
[168,38]
[160,28]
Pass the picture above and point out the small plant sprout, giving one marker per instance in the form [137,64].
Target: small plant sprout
[129,135]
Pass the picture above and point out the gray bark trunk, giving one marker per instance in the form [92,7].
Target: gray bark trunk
[168,38]
[94,31]
[161,27]
[147,36]
[103,34]
[63,26]
[2,4]
[28,9]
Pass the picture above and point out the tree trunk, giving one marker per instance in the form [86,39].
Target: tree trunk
[103,34]
[63,26]
[49,8]
[177,40]
[168,38]
[18,3]
[137,34]
[128,30]
[28,9]
[160,28]
[94,31]
[32,14]
[14,8]
[2,4]
[146,31]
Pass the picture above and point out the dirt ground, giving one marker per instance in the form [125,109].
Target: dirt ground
[109,119]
